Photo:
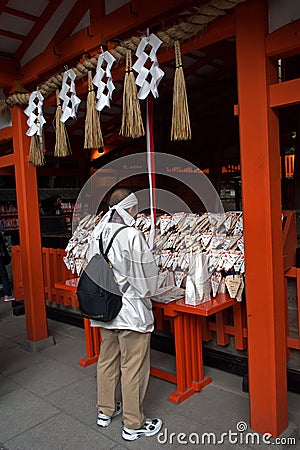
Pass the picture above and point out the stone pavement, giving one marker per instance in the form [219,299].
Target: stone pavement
[47,401]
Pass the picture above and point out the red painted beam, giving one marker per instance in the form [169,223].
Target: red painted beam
[8,73]
[12,35]
[284,42]
[286,93]
[7,171]
[6,134]
[7,160]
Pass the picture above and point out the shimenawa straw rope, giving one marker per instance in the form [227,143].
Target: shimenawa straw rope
[182,31]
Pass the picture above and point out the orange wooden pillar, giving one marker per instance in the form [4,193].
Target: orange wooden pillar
[260,162]
[30,236]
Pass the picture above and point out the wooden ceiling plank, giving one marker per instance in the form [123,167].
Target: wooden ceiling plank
[22,14]
[109,27]
[7,57]
[37,28]
[70,22]
[284,42]
[217,52]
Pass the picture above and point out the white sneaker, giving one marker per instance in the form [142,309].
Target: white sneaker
[103,420]
[150,428]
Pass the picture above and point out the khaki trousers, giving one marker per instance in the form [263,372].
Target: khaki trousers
[125,354]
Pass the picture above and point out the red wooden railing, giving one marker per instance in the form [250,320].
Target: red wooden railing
[230,322]
[54,270]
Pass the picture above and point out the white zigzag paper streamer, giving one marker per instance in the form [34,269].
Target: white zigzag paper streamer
[68,96]
[34,112]
[104,70]
[156,73]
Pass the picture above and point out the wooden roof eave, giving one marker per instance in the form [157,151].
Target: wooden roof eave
[89,40]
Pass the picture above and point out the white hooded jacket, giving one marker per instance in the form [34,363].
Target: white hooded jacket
[134,263]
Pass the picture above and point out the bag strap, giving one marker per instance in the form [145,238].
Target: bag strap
[126,286]
[109,244]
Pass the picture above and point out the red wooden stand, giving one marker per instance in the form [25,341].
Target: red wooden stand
[188,344]
[92,334]
[189,376]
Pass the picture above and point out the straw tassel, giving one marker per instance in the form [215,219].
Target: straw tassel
[132,122]
[181,129]
[36,155]
[93,135]
[62,147]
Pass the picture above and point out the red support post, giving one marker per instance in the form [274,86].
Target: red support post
[29,230]
[260,162]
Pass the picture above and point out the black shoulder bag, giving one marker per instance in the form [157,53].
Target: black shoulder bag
[99,295]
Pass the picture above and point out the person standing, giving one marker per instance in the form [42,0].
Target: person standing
[125,347]
[8,297]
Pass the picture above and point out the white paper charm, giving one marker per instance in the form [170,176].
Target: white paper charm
[240,291]
[179,275]
[78,265]
[164,258]
[34,112]
[68,96]
[227,223]
[175,262]
[165,222]
[239,227]
[222,287]
[233,283]
[215,282]
[198,281]
[206,238]
[155,72]
[72,265]
[157,259]
[240,244]
[103,71]
[67,262]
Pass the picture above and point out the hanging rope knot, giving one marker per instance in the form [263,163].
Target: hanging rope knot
[128,61]
[90,82]
[177,54]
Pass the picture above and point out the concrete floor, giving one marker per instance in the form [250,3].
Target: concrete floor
[47,401]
